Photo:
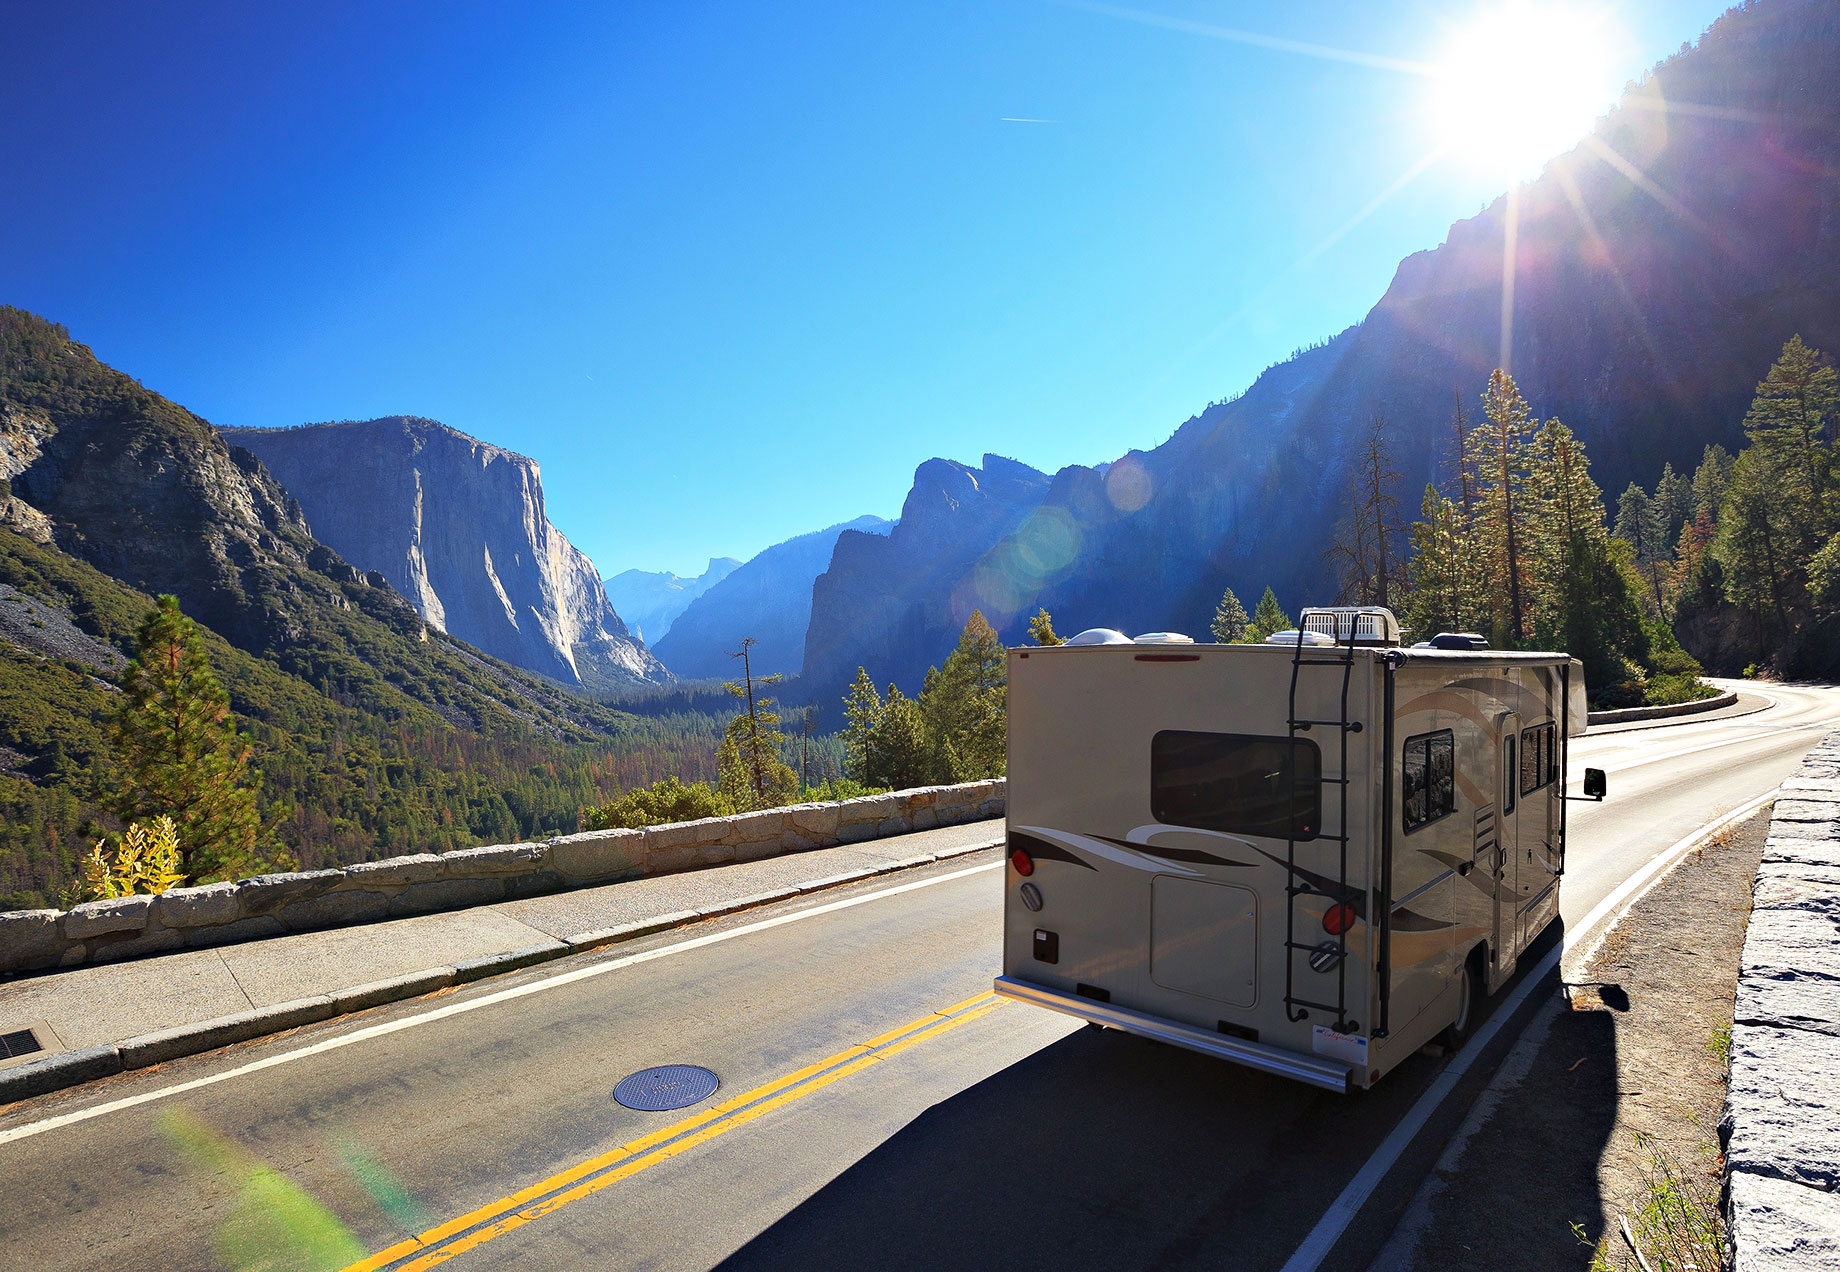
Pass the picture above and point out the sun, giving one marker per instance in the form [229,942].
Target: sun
[1521,82]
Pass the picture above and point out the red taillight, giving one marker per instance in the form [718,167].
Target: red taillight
[1025,864]
[1339,919]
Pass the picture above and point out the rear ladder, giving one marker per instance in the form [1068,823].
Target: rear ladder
[1297,1007]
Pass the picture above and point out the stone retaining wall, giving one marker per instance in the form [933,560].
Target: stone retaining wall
[271,905]
[1781,1126]
[1622,714]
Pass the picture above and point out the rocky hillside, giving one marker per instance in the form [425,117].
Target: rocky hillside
[458,527]
[651,600]
[769,599]
[1658,269]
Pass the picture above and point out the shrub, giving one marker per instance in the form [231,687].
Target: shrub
[666,800]
[1666,691]
[146,861]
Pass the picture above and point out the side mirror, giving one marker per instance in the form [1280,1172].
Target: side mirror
[1593,783]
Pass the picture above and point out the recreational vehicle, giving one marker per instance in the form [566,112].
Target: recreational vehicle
[1310,856]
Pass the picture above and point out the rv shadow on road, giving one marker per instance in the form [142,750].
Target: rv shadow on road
[1104,1150]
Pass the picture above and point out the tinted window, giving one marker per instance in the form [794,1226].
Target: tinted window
[1429,778]
[1512,778]
[1539,756]
[1237,782]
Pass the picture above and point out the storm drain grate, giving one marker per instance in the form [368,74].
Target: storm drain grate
[669,1086]
[22,1042]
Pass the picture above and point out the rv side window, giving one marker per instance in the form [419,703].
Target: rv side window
[1430,778]
[1237,783]
[1539,756]
[1510,774]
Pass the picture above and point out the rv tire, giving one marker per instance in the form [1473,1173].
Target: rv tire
[1469,1002]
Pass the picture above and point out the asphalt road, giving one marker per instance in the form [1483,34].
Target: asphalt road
[877,1107]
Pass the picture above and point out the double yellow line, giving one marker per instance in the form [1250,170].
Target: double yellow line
[507,1214]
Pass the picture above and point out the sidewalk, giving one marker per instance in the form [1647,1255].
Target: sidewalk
[95,1020]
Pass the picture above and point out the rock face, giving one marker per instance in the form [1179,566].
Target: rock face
[1644,310]
[651,600]
[458,527]
[769,599]
[895,603]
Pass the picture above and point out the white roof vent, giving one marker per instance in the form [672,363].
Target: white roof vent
[1310,639]
[1164,638]
[1099,636]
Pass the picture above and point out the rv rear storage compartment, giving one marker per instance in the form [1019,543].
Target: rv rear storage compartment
[1301,856]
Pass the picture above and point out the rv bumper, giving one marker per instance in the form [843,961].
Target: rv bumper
[1319,1071]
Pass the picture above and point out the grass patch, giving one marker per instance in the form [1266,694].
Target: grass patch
[1673,1223]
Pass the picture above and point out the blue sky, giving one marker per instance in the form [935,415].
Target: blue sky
[729,272]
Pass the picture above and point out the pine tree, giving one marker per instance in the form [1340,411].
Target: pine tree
[1583,602]
[1267,617]
[1642,523]
[1787,422]
[1444,595]
[862,710]
[1673,506]
[1230,619]
[1710,480]
[1498,455]
[752,772]
[181,754]
[1754,544]
[899,756]
[1041,629]
[963,706]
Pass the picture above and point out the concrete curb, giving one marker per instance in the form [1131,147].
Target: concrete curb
[73,1068]
[1781,1125]
[1623,714]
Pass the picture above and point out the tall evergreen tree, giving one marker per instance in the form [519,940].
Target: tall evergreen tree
[862,712]
[181,754]
[1230,619]
[1642,524]
[749,759]
[1673,506]
[1444,595]
[964,706]
[1710,480]
[1788,422]
[1498,454]
[1267,617]
[1583,602]
[1364,548]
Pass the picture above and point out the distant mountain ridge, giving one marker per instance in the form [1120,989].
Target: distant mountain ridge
[651,600]
[1644,310]
[769,598]
[458,526]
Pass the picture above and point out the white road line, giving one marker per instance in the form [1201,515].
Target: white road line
[1341,1212]
[474,1004]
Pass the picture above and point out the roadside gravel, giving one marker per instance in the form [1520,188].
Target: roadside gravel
[1618,1077]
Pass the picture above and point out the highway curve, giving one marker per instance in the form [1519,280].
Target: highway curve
[877,1107]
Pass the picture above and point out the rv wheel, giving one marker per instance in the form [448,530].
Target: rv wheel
[1469,1002]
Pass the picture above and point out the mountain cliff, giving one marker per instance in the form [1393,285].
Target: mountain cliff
[651,600]
[458,527]
[1656,271]
[769,599]
[893,602]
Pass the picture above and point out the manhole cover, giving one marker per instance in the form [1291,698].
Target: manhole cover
[669,1086]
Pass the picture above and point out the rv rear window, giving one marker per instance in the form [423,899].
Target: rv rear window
[1237,782]
[1430,778]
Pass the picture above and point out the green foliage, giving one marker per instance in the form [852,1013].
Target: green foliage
[1267,617]
[954,732]
[147,860]
[1230,619]
[1445,587]
[837,788]
[664,801]
[1041,629]
[1824,576]
[181,754]
[1498,457]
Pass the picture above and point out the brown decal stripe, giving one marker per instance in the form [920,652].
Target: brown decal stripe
[1047,850]
[1192,855]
